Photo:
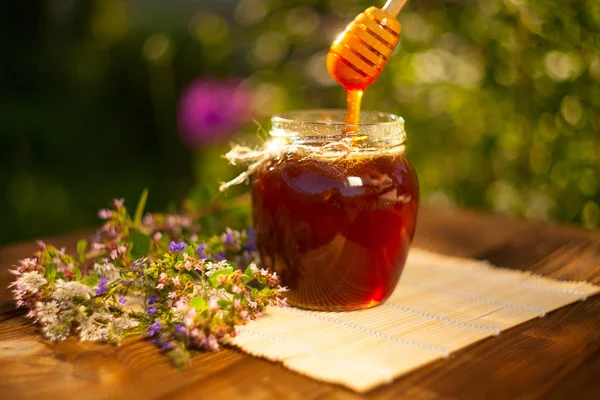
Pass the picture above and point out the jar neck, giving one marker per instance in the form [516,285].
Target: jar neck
[376,130]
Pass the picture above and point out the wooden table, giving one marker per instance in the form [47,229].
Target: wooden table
[557,356]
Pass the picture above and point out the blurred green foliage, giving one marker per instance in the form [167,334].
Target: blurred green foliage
[501,99]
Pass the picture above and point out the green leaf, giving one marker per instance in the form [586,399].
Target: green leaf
[140,244]
[139,210]
[199,303]
[215,276]
[51,272]
[190,251]
[163,243]
[81,247]
[77,273]
[60,275]
[248,274]
[223,304]
[90,280]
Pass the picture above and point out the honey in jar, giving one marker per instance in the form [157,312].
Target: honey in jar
[335,212]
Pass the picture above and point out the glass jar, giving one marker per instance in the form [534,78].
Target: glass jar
[335,214]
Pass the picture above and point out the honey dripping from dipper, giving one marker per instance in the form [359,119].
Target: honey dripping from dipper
[359,54]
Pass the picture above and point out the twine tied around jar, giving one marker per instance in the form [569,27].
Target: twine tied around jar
[277,149]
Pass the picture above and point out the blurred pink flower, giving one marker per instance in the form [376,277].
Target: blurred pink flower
[212,111]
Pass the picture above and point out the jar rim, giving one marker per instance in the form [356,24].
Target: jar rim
[322,126]
[295,117]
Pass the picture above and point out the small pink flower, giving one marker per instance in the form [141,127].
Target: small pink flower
[186,222]
[181,304]
[244,314]
[170,221]
[122,249]
[113,254]
[197,335]
[281,302]
[172,294]
[157,236]
[160,286]
[148,219]
[118,203]
[98,246]
[236,290]
[199,266]
[104,214]
[211,343]
[213,304]
[188,319]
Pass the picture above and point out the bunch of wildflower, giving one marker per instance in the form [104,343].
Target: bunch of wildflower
[152,275]
[50,285]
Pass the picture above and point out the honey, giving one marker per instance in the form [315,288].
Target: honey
[360,52]
[336,230]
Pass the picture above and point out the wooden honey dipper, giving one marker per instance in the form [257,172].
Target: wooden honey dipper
[358,55]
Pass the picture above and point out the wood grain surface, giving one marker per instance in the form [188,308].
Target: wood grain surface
[554,357]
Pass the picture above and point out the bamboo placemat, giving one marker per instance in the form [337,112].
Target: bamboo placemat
[441,305]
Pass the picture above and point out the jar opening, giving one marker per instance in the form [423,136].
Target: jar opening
[314,127]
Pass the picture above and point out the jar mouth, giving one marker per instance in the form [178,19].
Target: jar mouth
[314,127]
[329,117]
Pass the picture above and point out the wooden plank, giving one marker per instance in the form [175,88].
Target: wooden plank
[554,355]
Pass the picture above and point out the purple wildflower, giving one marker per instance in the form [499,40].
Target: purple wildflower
[180,328]
[220,256]
[155,328]
[227,237]
[101,289]
[176,247]
[210,111]
[122,299]
[166,346]
[151,310]
[152,299]
[138,266]
[251,241]
[200,250]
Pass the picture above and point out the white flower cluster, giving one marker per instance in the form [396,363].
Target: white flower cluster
[68,311]
[102,326]
[107,270]
[66,291]
[26,285]
[54,317]
[30,282]
[212,267]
